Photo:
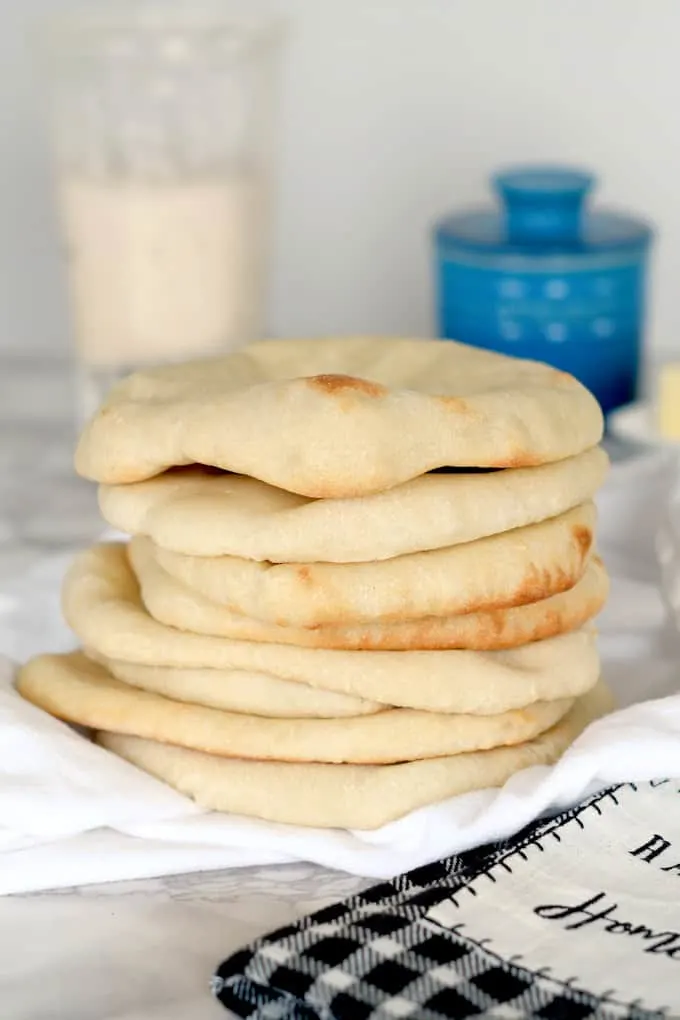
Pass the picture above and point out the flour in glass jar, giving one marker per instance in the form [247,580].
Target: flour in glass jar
[162,270]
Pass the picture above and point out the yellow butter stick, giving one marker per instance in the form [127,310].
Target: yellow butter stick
[668,401]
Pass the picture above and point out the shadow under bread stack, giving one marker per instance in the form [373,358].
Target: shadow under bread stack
[362,577]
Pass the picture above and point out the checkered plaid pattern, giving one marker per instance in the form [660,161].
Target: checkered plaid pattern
[378,956]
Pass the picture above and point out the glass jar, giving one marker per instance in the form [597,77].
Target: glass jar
[544,278]
[163,125]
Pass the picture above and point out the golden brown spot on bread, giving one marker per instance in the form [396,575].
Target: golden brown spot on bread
[456,404]
[584,538]
[344,383]
[489,630]
[539,584]
[519,459]
[545,583]
[305,575]
[536,585]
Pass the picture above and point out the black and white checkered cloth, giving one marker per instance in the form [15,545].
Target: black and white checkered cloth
[378,956]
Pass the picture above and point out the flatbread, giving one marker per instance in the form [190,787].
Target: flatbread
[347,796]
[206,513]
[171,602]
[80,691]
[340,417]
[242,691]
[260,694]
[513,569]
[102,605]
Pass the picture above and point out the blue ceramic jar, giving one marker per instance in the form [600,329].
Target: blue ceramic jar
[544,278]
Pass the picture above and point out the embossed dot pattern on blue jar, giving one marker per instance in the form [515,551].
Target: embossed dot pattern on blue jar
[544,278]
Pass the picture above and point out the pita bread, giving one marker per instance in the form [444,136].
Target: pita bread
[513,569]
[203,513]
[348,796]
[260,694]
[77,690]
[241,691]
[102,605]
[340,417]
[171,602]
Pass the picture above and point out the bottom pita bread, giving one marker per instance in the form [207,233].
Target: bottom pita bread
[80,691]
[347,796]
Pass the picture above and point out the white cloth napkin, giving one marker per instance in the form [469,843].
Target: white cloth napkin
[73,814]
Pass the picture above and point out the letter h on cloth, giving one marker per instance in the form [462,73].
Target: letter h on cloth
[568,920]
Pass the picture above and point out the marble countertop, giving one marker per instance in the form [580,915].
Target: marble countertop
[146,950]
[140,950]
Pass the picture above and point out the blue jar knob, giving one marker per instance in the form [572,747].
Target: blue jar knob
[543,277]
[543,205]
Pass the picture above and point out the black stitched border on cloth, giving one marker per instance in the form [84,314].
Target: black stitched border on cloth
[376,956]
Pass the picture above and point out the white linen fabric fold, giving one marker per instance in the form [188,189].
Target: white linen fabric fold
[73,814]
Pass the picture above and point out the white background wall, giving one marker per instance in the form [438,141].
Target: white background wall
[394,111]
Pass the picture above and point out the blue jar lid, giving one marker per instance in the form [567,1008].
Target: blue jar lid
[542,212]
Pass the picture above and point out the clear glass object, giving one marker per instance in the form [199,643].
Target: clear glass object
[163,124]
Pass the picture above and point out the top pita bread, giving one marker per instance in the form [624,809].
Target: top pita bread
[340,417]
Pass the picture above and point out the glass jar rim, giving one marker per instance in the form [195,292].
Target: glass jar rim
[79,26]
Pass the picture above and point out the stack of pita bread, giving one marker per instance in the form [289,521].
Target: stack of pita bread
[362,577]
